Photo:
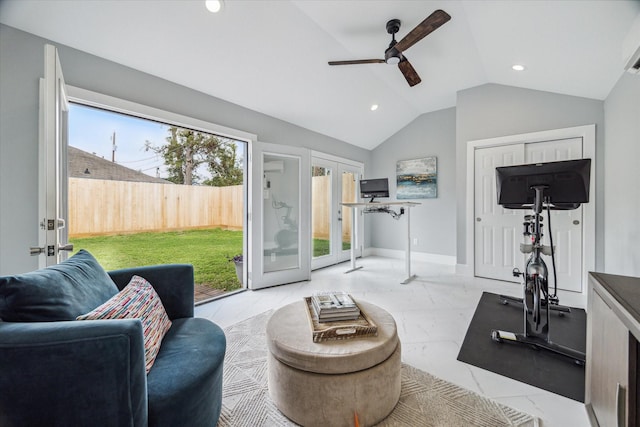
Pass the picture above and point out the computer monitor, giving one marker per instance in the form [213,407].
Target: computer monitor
[565,184]
[372,188]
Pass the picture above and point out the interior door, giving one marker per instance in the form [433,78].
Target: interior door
[565,225]
[279,215]
[498,231]
[333,183]
[54,108]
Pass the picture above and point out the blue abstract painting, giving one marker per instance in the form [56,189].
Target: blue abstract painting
[417,178]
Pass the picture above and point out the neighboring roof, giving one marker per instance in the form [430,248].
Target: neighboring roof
[86,165]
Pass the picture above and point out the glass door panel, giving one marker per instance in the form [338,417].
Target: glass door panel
[281,209]
[322,183]
[279,215]
[348,194]
[334,183]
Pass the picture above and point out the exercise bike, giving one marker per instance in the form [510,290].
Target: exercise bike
[537,301]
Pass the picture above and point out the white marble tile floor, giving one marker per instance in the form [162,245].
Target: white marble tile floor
[432,313]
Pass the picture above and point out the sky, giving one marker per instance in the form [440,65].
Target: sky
[91,130]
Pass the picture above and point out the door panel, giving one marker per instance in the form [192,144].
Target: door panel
[566,225]
[324,188]
[349,176]
[333,183]
[53,211]
[279,216]
[498,231]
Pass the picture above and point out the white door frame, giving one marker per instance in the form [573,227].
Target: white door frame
[52,170]
[588,135]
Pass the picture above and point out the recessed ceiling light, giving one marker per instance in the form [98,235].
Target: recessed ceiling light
[518,67]
[374,107]
[213,6]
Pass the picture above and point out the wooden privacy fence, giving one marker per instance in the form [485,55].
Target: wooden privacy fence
[98,207]
[321,207]
[108,207]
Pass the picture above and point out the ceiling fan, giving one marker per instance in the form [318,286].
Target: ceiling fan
[395,52]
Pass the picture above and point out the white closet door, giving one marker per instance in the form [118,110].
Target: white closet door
[498,231]
[565,225]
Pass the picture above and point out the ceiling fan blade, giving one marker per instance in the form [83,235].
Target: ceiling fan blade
[409,72]
[357,61]
[430,24]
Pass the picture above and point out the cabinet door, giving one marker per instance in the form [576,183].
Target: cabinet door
[607,363]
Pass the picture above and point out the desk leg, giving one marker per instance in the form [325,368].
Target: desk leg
[407,252]
[354,230]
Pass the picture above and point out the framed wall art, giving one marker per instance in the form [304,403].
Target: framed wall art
[417,178]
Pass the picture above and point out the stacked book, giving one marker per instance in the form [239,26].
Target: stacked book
[334,307]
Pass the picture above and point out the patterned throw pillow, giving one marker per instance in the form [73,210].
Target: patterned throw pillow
[138,300]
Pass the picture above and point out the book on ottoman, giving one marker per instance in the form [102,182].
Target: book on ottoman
[334,306]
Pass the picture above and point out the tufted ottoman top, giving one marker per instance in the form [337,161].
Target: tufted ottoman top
[289,339]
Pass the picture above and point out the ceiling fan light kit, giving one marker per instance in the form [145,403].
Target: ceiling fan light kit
[395,52]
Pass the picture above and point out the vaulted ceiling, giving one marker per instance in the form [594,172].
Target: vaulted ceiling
[271,56]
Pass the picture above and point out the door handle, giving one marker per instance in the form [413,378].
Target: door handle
[620,406]
[34,250]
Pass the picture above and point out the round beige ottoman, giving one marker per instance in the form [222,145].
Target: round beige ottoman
[324,384]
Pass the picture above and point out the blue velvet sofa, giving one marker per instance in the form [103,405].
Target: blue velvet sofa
[58,371]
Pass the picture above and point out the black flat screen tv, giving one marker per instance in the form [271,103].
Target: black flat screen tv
[372,188]
[565,184]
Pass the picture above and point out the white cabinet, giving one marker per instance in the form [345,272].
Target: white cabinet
[611,350]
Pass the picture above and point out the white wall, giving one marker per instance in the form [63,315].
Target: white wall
[433,222]
[622,178]
[21,65]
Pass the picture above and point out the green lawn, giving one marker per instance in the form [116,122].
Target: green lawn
[206,249]
[321,247]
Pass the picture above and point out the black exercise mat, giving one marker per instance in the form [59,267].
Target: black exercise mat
[539,368]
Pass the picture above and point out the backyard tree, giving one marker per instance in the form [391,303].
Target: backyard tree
[225,167]
[187,149]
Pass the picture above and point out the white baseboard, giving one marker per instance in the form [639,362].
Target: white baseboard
[415,256]
[464,270]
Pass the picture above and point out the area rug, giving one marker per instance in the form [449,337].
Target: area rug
[539,368]
[424,401]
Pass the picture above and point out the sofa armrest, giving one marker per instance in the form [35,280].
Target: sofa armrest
[73,373]
[173,283]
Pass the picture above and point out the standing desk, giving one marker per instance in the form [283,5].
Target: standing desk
[354,231]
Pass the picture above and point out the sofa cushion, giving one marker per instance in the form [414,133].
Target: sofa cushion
[138,300]
[59,292]
[185,383]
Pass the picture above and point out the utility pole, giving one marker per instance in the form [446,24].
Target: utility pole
[114,147]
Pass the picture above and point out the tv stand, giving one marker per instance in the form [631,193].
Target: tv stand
[354,231]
